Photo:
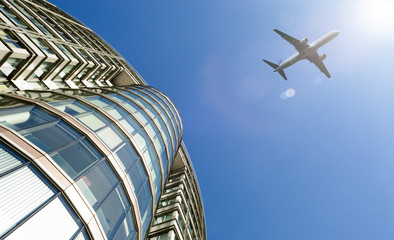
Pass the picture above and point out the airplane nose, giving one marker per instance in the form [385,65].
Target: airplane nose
[336,32]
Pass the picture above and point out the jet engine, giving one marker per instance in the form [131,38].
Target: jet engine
[322,57]
[303,41]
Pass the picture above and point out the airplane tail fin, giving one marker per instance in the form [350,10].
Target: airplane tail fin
[275,66]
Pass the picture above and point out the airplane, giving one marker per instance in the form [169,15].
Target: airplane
[305,51]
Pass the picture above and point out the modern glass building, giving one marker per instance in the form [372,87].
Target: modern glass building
[87,149]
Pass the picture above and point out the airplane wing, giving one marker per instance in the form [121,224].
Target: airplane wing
[300,46]
[319,64]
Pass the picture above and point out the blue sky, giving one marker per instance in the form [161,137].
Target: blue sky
[318,165]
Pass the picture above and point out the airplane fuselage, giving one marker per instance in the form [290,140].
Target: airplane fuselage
[308,52]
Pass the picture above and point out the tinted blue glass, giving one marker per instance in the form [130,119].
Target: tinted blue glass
[146,221]
[135,98]
[113,211]
[149,98]
[100,101]
[117,97]
[137,177]
[116,112]
[52,135]
[126,230]
[130,105]
[157,182]
[164,130]
[145,205]
[173,110]
[159,97]
[127,155]
[164,163]
[144,198]
[71,107]
[98,183]
[170,129]
[131,125]
[93,120]
[23,117]
[76,158]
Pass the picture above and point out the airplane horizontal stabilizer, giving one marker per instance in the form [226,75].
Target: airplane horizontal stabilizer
[282,73]
[275,66]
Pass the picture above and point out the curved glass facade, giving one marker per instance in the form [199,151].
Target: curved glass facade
[134,125]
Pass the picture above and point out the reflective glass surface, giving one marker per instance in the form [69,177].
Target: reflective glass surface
[98,183]
[123,151]
[30,201]
[168,138]
[155,111]
[113,211]
[76,158]
[164,101]
[69,148]
[143,140]
[167,116]
[126,230]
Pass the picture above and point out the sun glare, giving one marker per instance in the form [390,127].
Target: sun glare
[375,15]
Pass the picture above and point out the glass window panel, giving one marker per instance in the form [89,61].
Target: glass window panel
[166,136]
[144,199]
[145,205]
[127,229]
[164,102]
[117,97]
[110,136]
[145,219]
[71,107]
[21,192]
[23,117]
[157,182]
[50,136]
[66,71]
[113,211]
[163,218]
[152,153]
[168,116]
[127,156]
[10,65]
[137,176]
[164,161]
[98,183]
[93,121]
[117,112]
[100,101]
[163,236]
[136,98]
[159,144]
[132,107]
[8,159]
[76,158]
[142,117]
[151,129]
[141,140]
[151,111]
[131,125]
[54,220]
[150,160]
